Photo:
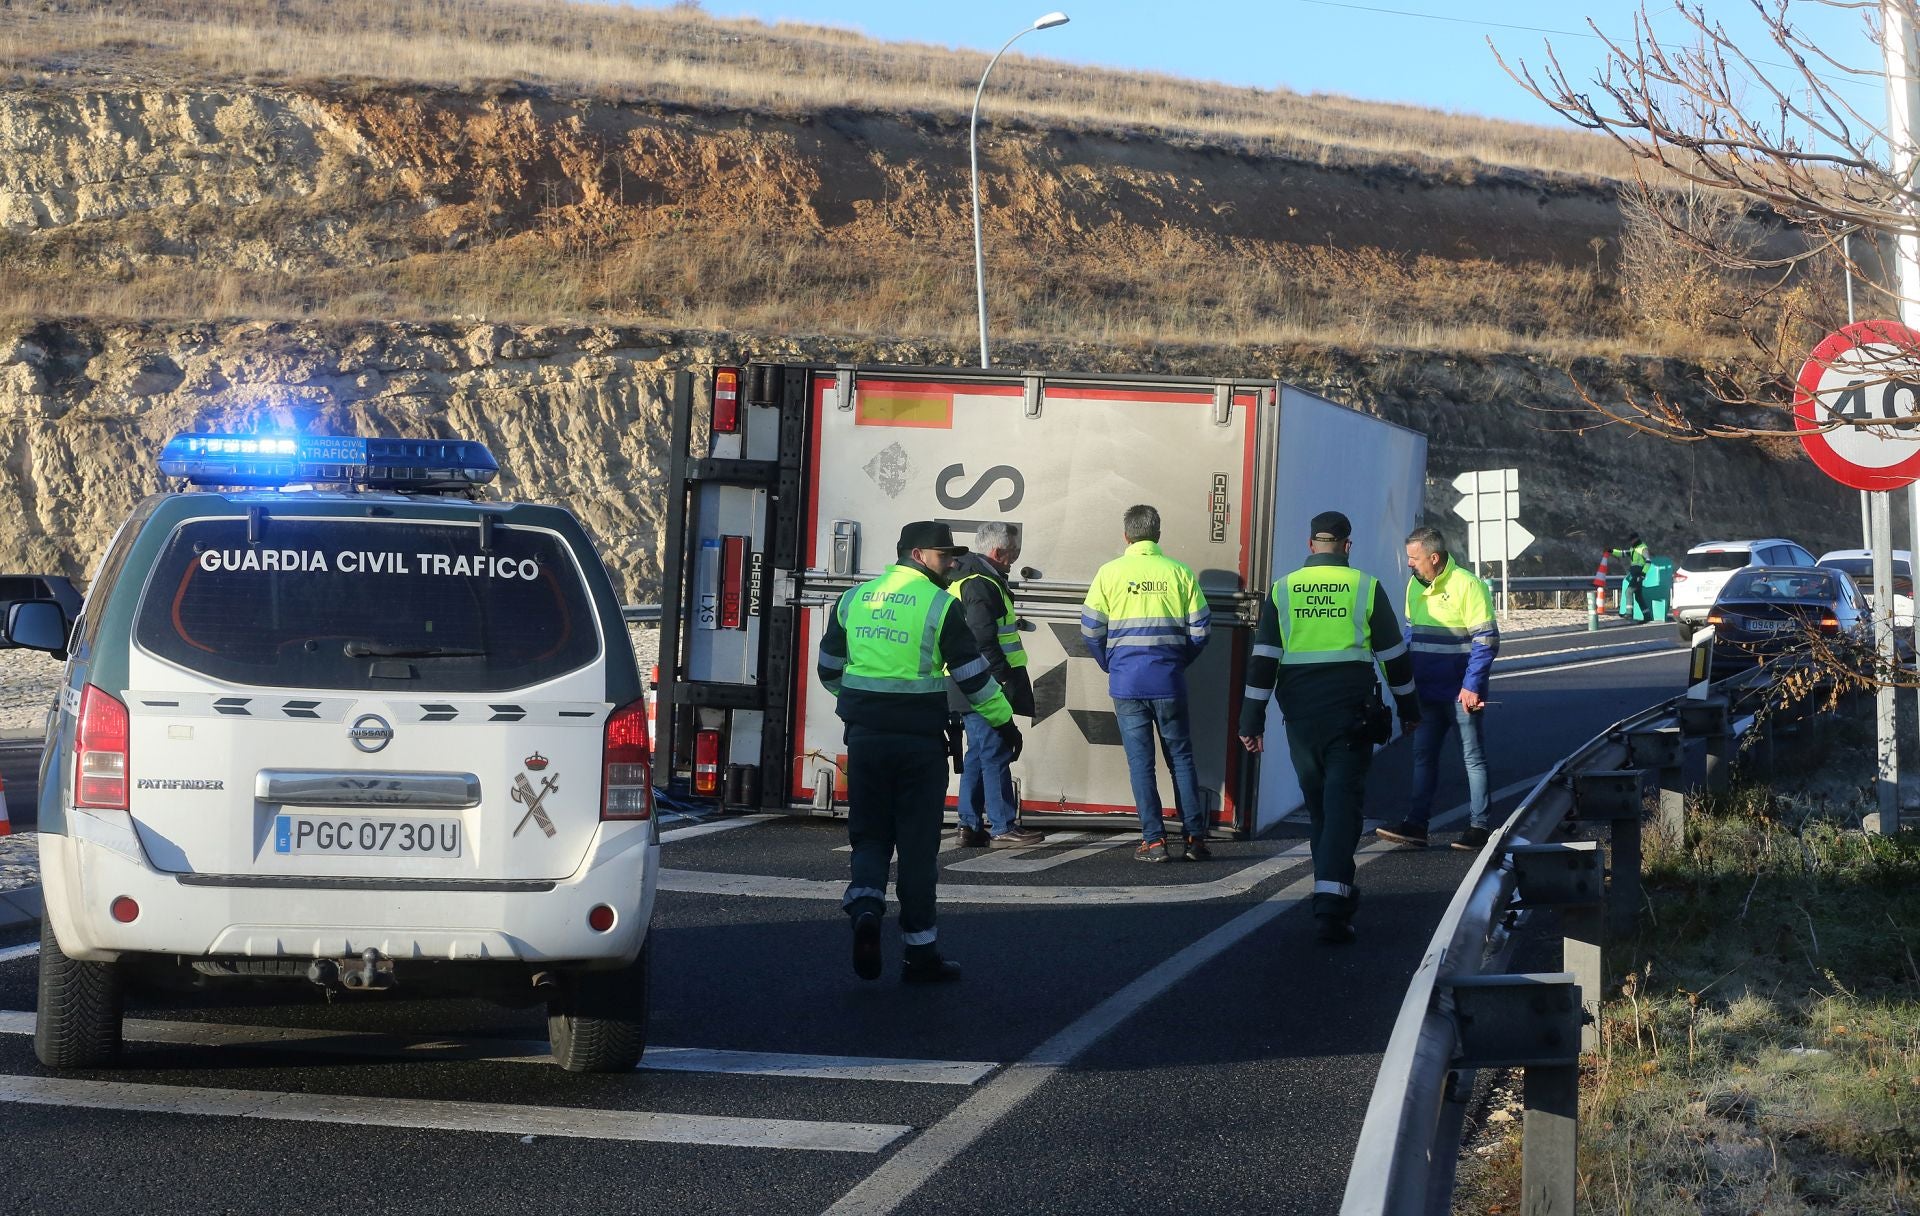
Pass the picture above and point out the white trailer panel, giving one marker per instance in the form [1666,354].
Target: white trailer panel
[1332,458]
[834,460]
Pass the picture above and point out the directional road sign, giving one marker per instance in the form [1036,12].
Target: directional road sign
[1497,540]
[1866,379]
[1491,508]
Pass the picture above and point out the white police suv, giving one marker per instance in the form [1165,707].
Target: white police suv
[373,735]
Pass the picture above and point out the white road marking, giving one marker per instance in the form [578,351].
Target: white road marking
[714,825]
[706,882]
[13,952]
[1029,861]
[535,1051]
[890,1186]
[1505,791]
[577,1123]
[949,841]
[826,1068]
[1624,658]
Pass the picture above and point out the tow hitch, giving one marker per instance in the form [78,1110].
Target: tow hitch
[368,973]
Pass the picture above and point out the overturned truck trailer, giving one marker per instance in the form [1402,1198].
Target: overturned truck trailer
[806,473]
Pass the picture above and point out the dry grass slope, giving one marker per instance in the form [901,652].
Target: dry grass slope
[679,54]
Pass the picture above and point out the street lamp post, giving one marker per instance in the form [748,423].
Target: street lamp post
[973,152]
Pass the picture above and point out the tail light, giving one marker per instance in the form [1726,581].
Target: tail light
[627,777]
[100,752]
[726,401]
[1716,618]
[1829,624]
[1679,576]
[706,762]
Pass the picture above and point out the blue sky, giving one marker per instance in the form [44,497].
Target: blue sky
[1377,49]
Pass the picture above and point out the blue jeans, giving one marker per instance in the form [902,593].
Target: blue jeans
[1138,720]
[986,779]
[1436,719]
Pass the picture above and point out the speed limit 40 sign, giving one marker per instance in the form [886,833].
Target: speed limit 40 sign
[1858,405]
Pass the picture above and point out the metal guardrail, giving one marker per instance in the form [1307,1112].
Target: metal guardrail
[641,614]
[1464,1012]
[1561,582]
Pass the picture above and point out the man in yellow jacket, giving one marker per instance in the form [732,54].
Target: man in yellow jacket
[1455,637]
[1144,621]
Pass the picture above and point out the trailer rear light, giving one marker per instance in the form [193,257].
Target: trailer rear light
[124,910]
[627,779]
[100,752]
[706,763]
[726,401]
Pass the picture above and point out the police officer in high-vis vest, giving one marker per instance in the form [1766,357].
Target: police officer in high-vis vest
[988,811]
[1322,630]
[890,647]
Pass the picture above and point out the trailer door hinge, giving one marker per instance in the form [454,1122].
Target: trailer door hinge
[843,389]
[1223,405]
[845,558]
[1035,391]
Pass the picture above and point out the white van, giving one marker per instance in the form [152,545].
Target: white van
[1707,567]
[384,734]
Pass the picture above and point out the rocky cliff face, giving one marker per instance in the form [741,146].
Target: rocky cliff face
[365,202]
[579,415]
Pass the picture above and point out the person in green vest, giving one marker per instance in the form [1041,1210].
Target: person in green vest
[1325,632]
[1635,555]
[890,647]
[988,811]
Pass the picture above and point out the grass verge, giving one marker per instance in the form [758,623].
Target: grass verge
[1761,1050]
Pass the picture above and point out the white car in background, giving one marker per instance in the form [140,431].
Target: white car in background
[1707,566]
[1859,564]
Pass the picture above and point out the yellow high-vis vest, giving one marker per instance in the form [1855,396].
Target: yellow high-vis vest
[1323,614]
[893,633]
[1006,628]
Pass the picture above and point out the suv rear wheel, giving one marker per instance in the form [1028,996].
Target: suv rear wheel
[78,1025]
[597,1021]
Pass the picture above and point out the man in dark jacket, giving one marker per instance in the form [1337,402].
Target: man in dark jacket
[1326,633]
[986,779]
[891,646]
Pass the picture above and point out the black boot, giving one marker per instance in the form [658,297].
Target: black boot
[866,946]
[1335,930]
[928,968]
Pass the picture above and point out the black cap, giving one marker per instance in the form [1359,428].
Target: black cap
[1331,525]
[928,534]
[1633,538]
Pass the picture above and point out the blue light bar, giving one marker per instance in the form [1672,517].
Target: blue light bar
[423,465]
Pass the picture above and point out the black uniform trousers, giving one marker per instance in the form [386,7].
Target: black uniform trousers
[896,795]
[1331,757]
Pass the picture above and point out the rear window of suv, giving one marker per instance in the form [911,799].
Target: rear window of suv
[364,604]
[1712,560]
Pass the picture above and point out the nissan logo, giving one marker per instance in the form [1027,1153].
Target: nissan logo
[370,732]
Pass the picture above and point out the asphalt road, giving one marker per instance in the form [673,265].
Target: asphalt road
[1127,1039]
